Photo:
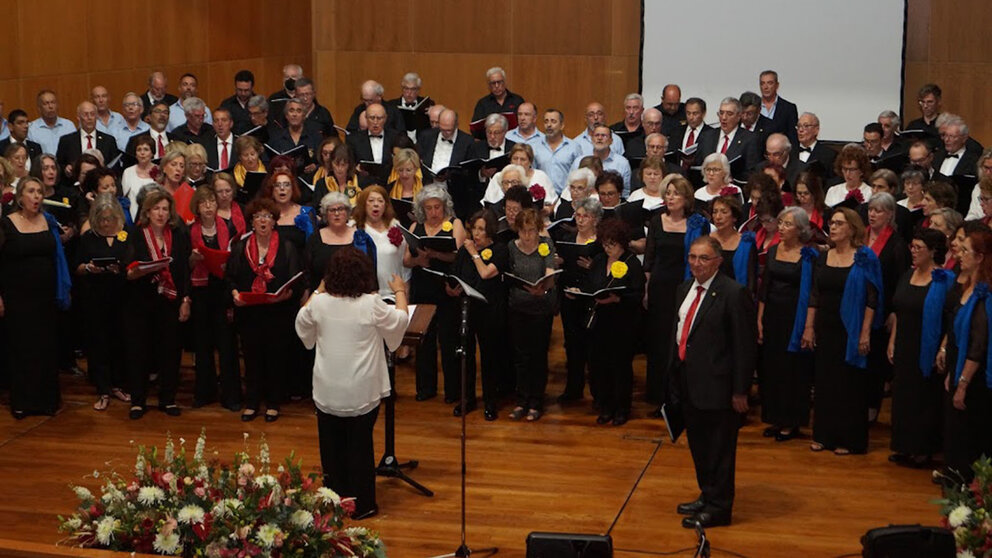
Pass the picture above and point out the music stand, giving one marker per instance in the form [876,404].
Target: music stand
[389,466]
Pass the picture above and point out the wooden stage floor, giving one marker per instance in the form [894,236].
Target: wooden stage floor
[563,473]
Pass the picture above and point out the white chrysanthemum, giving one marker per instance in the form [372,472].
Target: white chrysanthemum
[356,531]
[266,535]
[166,544]
[83,493]
[327,495]
[74,523]
[965,554]
[112,494]
[224,507]
[302,519]
[190,514]
[265,480]
[105,529]
[958,516]
[149,495]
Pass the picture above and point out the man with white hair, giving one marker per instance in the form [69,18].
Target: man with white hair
[157,91]
[526,130]
[730,139]
[410,99]
[596,116]
[778,151]
[630,129]
[371,93]
[72,145]
[188,85]
[495,145]
[500,99]
[890,125]
[954,157]
[195,128]
[809,148]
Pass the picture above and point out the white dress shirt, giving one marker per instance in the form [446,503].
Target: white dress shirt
[729,138]
[376,144]
[220,150]
[349,371]
[442,151]
[951,162]
[804,155]
[155,139]
[83,135]
[687,302]
[695,136]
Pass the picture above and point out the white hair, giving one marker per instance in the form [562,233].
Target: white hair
[193,103]
[634,97]
[582,174]
[497,118]
[411,77]
[495,70]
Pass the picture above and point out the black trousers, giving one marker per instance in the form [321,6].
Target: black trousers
[213,332]
[712,436]
[531,335]
[577,338]
[347,456]
[103,325]
[444,330]
[267,335]
[153,327]
[611,355]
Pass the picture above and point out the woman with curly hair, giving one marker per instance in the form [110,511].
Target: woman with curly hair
[853,166]
[740,257]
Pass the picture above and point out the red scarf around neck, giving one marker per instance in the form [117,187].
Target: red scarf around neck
[238,219]
[263,272]
[883,237]
[166,284]
[200,274]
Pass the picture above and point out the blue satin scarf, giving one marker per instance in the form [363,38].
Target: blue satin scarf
[695,227]
[742,257]
[63,282]
[866,270]
[304,221]
[962,330]
[364,242]
[808,256]
[933,310]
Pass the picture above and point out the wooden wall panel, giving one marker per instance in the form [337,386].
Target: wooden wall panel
[574,27]
[383,26]
[57,47]
[458,26]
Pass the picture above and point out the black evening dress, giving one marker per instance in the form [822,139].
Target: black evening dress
[664,259]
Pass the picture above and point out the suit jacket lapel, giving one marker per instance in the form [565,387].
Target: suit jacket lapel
[709,299]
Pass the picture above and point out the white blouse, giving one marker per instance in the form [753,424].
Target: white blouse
[494,192]
[838,193]
[389,258]
[349,372]
[131,184]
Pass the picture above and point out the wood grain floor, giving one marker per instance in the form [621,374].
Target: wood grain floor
[563,473]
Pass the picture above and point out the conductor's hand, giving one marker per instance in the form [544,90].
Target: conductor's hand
[740,403]
[453,292]
[396,283]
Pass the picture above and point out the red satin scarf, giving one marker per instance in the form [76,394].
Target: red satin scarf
[200,274]
[883,237]
[263,271]
[164,280]
[238,219]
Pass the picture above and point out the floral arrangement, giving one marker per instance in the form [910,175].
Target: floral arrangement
[170,504]
[967,511]
[395,236]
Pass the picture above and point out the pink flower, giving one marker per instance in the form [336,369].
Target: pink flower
[200,491]
[168,477]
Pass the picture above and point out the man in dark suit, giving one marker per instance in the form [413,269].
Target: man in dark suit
[372,92]
[220,148]
[655,145]
[499,100]
[237,104]
[921,155]
[730,139]
[158,120]
[891,145]
[157,85]
[688,135]
[18,123]
[635,148]
[72,145]
[715,341]
[446,146]
[751,118]
[195,129]
[470,188]
[375,144]
[809,149]
[672,110]
[410,86]
[778,151]
[783,114]
[955,158]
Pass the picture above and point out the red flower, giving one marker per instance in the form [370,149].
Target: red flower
[728,191]
[348,505]
[154,172]
[537,192]
[856,195]
[395,236]
[7,199]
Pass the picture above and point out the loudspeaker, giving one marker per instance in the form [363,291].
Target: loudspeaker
[568,545]
[908,541]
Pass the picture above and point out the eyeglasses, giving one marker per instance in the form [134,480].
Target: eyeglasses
[337,209]
[132,104]
[497,82]
[700,258]
[713,170]
[785,224]
[806,126]
[262,217]
[283,185]
[837,223]
[509,183]
[916,247]
[850,169]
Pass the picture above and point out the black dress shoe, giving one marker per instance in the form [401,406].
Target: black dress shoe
[620,419]
[20,415]
[136,413]
[469,407]
[247,416]
[779,437]
[706,520]
[491,414]
[172,410]
[656,413]
[567,397]
[271,415]
[691,508]
[603,419]
[770,432]
[425,395]
[197,403]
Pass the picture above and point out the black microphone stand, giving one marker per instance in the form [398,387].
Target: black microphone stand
[389,466]
[463,550]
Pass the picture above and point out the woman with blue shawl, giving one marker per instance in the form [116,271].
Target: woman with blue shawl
[844,307]
[964,356]
[34,285]
[740,256]
[918,308]
[670,233]
[785,371]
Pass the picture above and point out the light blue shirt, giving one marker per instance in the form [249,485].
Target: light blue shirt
[4,130]
[514,136]
[123,134]
[617,163]
[585,143]
[769,112]
[48,136]
[116,119]
[555,163]
[177,116]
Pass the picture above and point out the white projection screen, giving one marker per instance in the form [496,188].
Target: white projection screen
[840,59]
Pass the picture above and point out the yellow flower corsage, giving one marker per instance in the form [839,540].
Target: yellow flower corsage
[65,201]
[446,226]
[618,270]
[543,249]
[486,254]
[122,236]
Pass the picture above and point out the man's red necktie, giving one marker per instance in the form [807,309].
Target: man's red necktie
[726,141]
[687,325]
[161,148]
[223,155]
[89,141]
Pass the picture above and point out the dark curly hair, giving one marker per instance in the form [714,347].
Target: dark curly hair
[258,205]
[349,273]
[488,217]
[520,195]
[613,230]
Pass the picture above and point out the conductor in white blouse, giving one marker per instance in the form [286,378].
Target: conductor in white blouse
[348,322]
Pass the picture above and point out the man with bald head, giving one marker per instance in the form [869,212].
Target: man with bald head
[49,127]
[157,91]
[106,119]
[672,110]
[371,93]
[72,145]
[526,130]
[778,151]
[376,143]
[596,116]
[445,145]
[809,149]
[635,149]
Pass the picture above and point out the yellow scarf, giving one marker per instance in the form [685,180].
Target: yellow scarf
[240,173]
[397,192]
[351,188]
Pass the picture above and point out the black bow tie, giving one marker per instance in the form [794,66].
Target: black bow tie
[496,149]
[379,136]
[447,141]
[953,156]
[805,149]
